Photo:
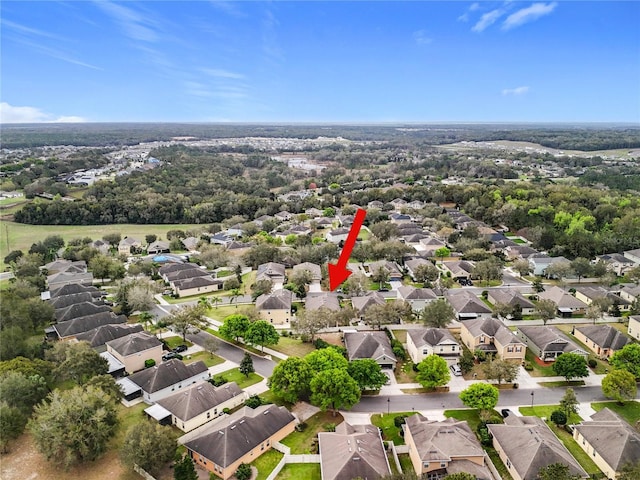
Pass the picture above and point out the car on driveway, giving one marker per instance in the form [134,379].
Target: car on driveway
[456,370]
[180,349]
[170,355]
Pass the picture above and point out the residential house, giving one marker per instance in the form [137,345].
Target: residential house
[441,448]
[634,327]
[418,298]
[221,238]
[135,349]
[375,204]
[64,301]
[394,272]
[274,272]
[99,336]
[337,235]
[283,216]
[604,340]
[588,294]
[516,251]
[68,330]
[633,255]
[467,305]
[316,301]
[275,307]
[190,243]
[492,336]
[239,438]
[61,265]
[398,218]
[352,451]
[430,244]
[58,280]
[234,231]
[432,341]
[375,345]
[609,441]
[323,222]
[413,264]
[158,247]
[617,263]
[73,288]
[526,445]
[630,293]
[296,230]
[566,303]
[264,218]
[413,239]
[197,285]
[171,268]
[398,203]
[197,405]
[511,298]
[540,261]
[459,270]
[548,343]
[361,304]
[345,220]
[81,309]
[315,270]
[168,377]
[184,274]
[129,245]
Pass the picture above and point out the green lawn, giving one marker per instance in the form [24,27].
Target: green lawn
[630,411]
[234,375]
[248,348]
[128,416]
[21,236]
[220,313]
[405,463]
[579,454]
[546,411]
[303,442]
[266,462]
[404,372]
[293,347]
[401,335]
[208,359]
[269,397]
[562,383]
[173,342]
[297,471]
[538,370]
[389,431]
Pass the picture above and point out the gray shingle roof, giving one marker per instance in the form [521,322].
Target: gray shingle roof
[278,300]
[64,301]
[270,270]
[491,327]
[561,298]
[431,336]
[315,301]
[352,452]
[101,335]
[510,297]
[72,288]
[134,343]
[87,323]
[175,267]
[195,282]
[184,274]
[466,302]
[166,374]
[198,399]
[231,438]
[316,271]
[605,336]
[368,345]
[613,438]
[79,310]
[549,339]
[409,292]
[362,303]
[531,445]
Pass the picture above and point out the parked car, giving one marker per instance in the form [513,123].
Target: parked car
[456,370]
[505,412]
[180,349]
[170,355]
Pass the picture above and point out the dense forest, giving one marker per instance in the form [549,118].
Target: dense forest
[580,137]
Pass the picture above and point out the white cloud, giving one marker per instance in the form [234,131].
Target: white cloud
[529,14]
[421,38]
[220,73]
[135,25]
[13,114]
[515,91]
[488,19]
[472,8]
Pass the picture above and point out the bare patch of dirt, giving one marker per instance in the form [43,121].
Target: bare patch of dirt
[332,338]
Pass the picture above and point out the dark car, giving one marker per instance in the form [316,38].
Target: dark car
[505,412]
[180,349]
[170,355]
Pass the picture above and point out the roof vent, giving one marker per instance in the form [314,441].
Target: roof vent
[233,426]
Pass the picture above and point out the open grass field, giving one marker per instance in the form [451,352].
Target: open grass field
[22,236]
[243,381]
[266,462]
[208,359]
[296,471]
[303,442]
[293,347]
[545,411]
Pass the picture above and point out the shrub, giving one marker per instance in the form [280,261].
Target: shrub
[243,472]
[320,344]
[414,366]
[330,427]
[218,381]
[399,420]
[528,367]
[253,401]
[150,362]
[559,417]
[592,363]
[226,411]
[301,427]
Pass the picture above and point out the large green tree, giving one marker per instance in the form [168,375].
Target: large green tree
[262,333]
[546,309]
[628,358]
[367,373]
[235,326]
[325,359]
[12,423]
[148,445]
[438,314]
[22,392]
[186,318]
[619,385]
[246,365]
[310,322]
[570,365]
[335,389]
[433,371]
[569,402]
[500,370]
[77,362]
[480,395]
[290,379]
[184,469]
[75,426]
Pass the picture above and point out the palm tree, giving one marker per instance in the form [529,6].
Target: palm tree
[215,301]
[235,293]
[204,303]
[146,318]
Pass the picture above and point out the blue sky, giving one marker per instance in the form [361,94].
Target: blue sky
[320,61]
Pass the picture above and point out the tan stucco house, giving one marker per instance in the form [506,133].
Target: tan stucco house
[492,336]
[135,349]
[432,341]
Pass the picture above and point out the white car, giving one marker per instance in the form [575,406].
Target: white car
[456,370]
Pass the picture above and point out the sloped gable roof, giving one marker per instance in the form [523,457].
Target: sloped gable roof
[316,271]
[199,398]
[352,452]
[87,323]
[134,343]
[231,438]
[77,310]
[166,374]
[73,288]
[510,297]
[368,345]
[491,327]
[561,298]
[604,336]
[409,292]
[444,440]
[548,338]
[64,301]
[101,335]
[362,303]
[278,300]
[467,302]
[431,337]
[316,301]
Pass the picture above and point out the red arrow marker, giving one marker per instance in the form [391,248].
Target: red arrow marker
[338,273]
